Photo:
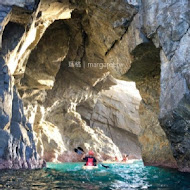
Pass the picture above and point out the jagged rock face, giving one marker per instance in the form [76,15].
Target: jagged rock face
[143,67]
[18,149]
[73,86]
[20,3]
[62,72]
[171,32]
[157,21]
[17,143]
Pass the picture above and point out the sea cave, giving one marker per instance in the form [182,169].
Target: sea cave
[108,76]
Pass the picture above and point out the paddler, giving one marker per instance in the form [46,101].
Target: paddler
[125,158]
[89,159]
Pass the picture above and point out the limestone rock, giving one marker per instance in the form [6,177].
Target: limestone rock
[62,68]
[51,50]
[174,101]
[143,67]
[170,27]
[120,58]
[67,124]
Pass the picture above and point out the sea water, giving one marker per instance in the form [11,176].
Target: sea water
[117,176]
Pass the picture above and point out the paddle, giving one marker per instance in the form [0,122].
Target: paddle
[79,150]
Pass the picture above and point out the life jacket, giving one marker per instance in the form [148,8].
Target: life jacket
[124,159]
[90,162]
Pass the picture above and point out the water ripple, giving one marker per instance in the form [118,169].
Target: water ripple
[71,176]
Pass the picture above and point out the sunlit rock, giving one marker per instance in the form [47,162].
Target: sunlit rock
[58,91]
[116,113]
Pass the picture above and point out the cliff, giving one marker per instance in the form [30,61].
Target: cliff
[112,76]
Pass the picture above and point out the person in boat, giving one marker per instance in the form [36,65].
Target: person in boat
[125,158]
[116,159]
[89,159]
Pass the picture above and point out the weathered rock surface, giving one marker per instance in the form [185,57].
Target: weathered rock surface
[174,102]
[169,28]
[59,55]
[73,86]
[54,47]
[20,3]
[14,123]
[145,70]
[17,143]
[167,25]
[143,66]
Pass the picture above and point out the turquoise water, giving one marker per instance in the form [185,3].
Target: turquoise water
[117,177]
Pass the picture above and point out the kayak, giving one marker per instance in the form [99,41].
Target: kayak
[90,167]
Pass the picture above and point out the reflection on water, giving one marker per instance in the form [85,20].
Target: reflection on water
[72,176]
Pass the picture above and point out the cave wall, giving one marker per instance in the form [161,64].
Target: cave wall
[169,29]
[18,148]
[72,87]
[166,24]
[143,67]
[20,32]
[145,71]
[130,34]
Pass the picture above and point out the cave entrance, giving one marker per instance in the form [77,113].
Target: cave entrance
[73,111]
[76,107]
[115,114]
[145,71]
